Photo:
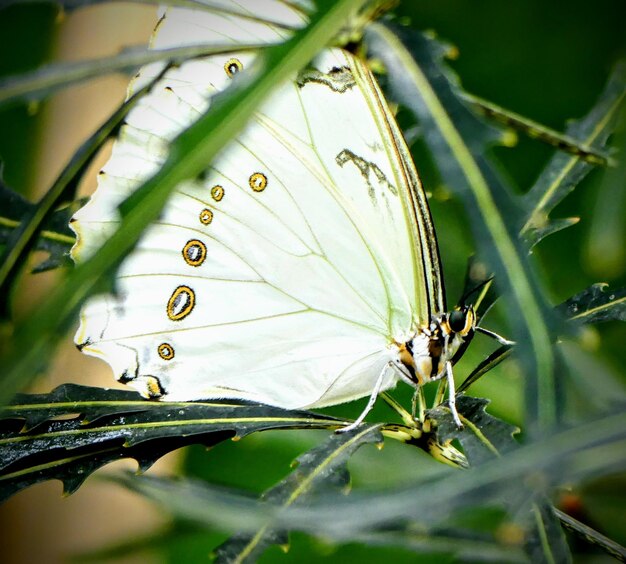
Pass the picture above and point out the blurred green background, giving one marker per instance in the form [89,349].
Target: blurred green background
[545,60]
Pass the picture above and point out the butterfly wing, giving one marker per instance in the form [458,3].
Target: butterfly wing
[287,272]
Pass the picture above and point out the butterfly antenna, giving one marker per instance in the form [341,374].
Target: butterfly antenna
[483,288]
[495,336]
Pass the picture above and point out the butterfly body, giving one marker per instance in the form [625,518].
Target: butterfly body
[443,340]
[301,269]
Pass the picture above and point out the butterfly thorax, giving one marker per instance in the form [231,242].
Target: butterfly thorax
[444,339]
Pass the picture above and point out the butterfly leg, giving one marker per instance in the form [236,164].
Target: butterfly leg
[452,395]
[418,404]
[371,401]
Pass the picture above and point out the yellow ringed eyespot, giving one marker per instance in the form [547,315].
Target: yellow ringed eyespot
[206,216]
[181,302]
[217,192]
[258,182]
[232,67]
[194,252]
[166,351]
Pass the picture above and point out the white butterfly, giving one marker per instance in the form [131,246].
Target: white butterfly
[302,270]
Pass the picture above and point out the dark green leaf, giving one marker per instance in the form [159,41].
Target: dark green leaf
[522,474]
[75,430]
[592,449]
[459,141]
[71,400]
[214,507]
[422,435]
[198,502]
[605,250]
[467,543]
[43,82]
[44,226]
[591,536]
[321,469]
[533,236]
[545,541]
[483,436]
[596,304]
[564,172]
[462,545]
[593,305]
[537,131]
[489,363]
[55,237]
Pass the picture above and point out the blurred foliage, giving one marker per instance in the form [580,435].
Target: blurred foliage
[541,61]
[25,32]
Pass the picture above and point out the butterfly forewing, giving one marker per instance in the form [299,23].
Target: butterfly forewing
[288,271]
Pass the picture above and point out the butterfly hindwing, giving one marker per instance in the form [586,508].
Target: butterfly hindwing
[283,275]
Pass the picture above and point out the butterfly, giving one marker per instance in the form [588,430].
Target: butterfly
[302,269]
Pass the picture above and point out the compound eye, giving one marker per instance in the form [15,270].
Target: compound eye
[457,320]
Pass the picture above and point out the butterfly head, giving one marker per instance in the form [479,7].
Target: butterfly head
[459,323]
[455,330]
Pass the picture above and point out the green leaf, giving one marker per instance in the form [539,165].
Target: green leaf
[320,469]
[458,142]
[591,449]
[466,543]
[533,236]
[460,545]
[483,436]
[545,541]
[564,172]
[489,363]
[592,305]
[190,153]
[43,82]
[509,481]
[26,226]
[591,536]
[537,131]
[55,237]
[595,305]
[605,250]
[74,430]
[195,501]
[214,507]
